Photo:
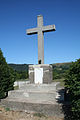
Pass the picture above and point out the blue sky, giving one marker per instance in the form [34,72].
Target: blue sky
[16,16]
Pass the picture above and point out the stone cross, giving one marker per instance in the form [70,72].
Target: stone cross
[40,31]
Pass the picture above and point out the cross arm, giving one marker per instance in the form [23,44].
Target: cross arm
[49,28]
[31,31]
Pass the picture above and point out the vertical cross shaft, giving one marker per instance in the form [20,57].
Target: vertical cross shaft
[40,31]
[40,40]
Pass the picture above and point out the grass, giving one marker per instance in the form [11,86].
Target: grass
[39,115]
[22,79]
[16,87]
[60,80]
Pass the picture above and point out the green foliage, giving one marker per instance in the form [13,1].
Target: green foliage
[59,70]
[72,83]
[7,109]
[6,77]
[19,67]
[21,71]
[22,74]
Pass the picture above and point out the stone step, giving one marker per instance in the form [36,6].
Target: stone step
[50,109]
[34,95]
[41,87]
[36,92]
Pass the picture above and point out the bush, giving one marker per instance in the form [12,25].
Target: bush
[72,83]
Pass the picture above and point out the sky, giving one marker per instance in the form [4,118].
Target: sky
[60,46]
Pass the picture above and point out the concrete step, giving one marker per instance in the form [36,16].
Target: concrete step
[32,95]
[41,87]
[37,92]
[50,109]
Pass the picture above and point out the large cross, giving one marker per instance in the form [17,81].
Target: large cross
[40,31]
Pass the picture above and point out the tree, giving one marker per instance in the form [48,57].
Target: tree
[6,77]
[23,75]
[72,83]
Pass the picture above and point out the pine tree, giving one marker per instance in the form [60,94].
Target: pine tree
[6,77]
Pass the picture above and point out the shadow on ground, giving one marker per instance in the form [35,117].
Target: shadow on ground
[65,103]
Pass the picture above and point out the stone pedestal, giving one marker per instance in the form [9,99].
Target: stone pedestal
[47,73]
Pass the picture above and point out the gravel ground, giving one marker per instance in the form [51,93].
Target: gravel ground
[6,114]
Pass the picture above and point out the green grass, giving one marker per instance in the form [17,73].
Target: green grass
[22,79]
[60,80]
[39,115]
[16,87]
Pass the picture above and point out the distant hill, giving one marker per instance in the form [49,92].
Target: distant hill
[19,67]
[62,65]
[59,70]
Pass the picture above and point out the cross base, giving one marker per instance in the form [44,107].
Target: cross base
[45,71]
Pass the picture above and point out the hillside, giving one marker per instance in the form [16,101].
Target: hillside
[59,70]
[19,67]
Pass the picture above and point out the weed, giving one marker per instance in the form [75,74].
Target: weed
[7,109]
[39,115]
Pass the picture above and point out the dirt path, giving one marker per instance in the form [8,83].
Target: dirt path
[6,114]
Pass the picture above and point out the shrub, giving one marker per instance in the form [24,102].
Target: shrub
[72,83]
